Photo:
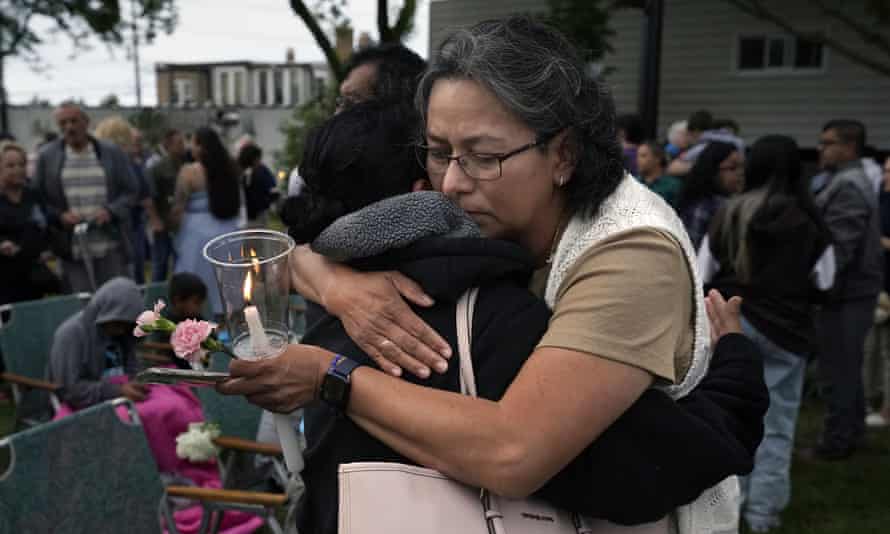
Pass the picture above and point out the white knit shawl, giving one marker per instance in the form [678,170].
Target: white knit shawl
[631,206]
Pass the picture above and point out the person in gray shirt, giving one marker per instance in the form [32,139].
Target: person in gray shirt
[96,345]
[850,209]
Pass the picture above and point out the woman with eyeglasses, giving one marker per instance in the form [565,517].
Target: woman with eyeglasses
[523,141]
[718,173]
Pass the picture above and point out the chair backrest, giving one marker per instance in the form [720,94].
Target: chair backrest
[235,416]
[153,292]
[27,337]
[64,477]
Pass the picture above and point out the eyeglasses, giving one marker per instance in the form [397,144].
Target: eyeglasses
[477,165]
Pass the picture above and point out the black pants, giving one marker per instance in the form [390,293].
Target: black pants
[843,327]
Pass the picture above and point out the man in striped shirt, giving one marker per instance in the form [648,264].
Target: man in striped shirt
[82,179]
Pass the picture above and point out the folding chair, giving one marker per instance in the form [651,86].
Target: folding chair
[93,472]
[153,292]
[26,340]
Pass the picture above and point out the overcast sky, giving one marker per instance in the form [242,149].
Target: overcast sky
[208,30]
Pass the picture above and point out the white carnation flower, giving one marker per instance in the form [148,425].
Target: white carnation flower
[196,445]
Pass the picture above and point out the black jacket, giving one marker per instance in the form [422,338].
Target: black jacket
[655,457]
[784,244]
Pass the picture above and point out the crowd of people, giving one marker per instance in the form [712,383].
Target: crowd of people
[500,166]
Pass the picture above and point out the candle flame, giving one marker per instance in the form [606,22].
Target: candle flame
[248,287]
[255,262]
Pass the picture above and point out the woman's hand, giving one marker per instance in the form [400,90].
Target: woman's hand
[373,310]
[280,384]
[725,316]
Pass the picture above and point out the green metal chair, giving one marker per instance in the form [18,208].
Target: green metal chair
[92,472]
[153,292]
[26,340]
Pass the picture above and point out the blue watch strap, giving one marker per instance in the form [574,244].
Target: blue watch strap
[342,367]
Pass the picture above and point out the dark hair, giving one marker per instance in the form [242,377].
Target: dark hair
[632,126]
[850,131]
[657,151]
[703,179]
[186,285]
[398,70]
[223,189]
[357,157]
[249,155]
[700,121]
[535,72]
[774,162]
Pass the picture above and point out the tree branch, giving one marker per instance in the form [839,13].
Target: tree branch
[323,42]
[757,10]
[868,35]
[405,22]
[383,21]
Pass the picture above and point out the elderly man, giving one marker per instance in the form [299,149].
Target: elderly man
[82,179]
[850,207]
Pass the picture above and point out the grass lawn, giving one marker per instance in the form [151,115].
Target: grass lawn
[848,497]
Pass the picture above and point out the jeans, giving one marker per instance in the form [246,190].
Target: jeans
[161,254]
[767,490]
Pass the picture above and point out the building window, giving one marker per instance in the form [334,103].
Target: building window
[778,54]
[264,87]
[224,95]
[182,92]
[239,87]
[278,83]
[295,87]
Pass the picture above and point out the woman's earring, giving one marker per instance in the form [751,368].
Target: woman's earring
[561,181]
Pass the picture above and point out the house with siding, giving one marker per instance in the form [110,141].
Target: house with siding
[715,57]
[239,83]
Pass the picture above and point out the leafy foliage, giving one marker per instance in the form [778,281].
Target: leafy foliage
[585,23]
[77,19]
[303,119]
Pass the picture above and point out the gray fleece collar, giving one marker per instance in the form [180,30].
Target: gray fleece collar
[395,222]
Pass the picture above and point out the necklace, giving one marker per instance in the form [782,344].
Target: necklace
[560,226]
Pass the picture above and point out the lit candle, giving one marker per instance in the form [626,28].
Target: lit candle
[259,342]
[258,339]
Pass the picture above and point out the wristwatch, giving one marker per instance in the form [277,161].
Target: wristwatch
[335,386]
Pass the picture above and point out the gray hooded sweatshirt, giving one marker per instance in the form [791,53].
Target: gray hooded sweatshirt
[77,359]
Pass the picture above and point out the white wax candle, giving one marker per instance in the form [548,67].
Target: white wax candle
[258,339]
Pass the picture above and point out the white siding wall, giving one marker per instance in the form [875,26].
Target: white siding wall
[698,71]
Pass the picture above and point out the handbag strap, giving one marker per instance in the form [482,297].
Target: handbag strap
[464,313]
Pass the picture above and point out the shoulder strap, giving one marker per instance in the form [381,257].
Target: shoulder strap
[464,313]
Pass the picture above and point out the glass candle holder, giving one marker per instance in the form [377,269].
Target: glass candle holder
[251,268]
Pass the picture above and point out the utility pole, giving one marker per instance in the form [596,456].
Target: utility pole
[650,72]
[135,29]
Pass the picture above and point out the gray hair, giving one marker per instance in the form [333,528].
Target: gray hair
[540,78]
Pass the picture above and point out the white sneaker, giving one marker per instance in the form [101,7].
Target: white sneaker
[876,420]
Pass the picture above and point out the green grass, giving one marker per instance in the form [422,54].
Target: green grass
[846,497]
[851,496]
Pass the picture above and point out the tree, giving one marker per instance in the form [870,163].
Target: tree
[303,119]
[78,20]
[585,23]
[110,101]
[334,12]
[872,29]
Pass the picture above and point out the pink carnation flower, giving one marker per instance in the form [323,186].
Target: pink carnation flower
[187,339]
[148,318]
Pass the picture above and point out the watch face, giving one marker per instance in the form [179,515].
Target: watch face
[333,389]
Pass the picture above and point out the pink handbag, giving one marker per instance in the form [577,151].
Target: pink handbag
[393,498]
